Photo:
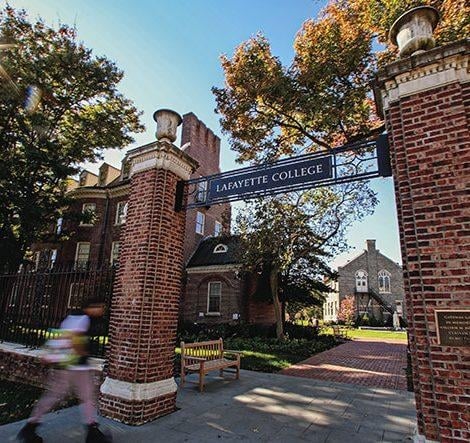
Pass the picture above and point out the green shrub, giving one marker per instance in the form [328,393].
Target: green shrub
[301,347]
[301,332]
[193,332]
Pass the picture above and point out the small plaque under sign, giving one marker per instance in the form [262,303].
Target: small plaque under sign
[453,327]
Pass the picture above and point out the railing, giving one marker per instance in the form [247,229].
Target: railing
[34,303]
[381,301]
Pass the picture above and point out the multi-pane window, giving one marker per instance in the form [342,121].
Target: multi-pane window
[217,229]
[82,253]
[76,295]
[114,252]
[214,296]
[121,213]
[200,218]
[45,259]
[88,210]
[384,281]
[201,191]
[361,281]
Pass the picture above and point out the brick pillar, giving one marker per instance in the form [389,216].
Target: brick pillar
[426,100]
[139,386]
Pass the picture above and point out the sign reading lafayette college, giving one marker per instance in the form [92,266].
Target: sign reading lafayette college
[453,327]
[271,177]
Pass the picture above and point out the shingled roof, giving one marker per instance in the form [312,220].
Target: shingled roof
[205,255]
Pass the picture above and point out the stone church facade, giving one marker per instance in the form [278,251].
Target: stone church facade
[375,281]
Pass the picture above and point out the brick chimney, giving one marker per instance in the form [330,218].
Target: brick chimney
[370,246]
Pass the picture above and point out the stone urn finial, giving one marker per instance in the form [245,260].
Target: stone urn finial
[412,31]
[167,124]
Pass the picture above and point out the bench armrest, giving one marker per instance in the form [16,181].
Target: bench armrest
[228,351]
[193,358]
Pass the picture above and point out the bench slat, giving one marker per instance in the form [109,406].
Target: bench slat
[212,365]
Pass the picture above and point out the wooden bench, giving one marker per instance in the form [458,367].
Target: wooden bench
[339,332]
[207,356]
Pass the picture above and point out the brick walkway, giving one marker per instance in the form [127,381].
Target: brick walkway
[360,362]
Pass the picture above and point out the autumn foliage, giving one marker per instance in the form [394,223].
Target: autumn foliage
[347,310]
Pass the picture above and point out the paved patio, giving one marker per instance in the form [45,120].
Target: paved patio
[362,362]
[259,407]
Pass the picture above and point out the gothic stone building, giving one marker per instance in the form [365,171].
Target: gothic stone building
[375,281]
[213,290]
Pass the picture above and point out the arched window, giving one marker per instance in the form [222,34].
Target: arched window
[384,281]
[361,281]
[220,248]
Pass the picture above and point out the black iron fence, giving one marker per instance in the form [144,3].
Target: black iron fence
[33,303]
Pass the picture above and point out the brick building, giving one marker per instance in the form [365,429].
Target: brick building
[216,290]
[375,281]
[213,291]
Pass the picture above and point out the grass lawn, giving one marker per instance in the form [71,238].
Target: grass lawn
[258,361]
[377,334]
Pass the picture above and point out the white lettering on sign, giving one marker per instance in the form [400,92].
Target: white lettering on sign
[275,177]
[238,184]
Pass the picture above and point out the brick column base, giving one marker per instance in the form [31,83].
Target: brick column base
[137,403]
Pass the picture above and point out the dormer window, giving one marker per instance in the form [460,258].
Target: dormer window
[220,248]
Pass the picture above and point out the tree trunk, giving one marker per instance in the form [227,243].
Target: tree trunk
[274,283]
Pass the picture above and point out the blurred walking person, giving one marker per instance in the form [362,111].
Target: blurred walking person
[68,354]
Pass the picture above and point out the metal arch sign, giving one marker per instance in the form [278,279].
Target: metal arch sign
[271,178]
[352,162]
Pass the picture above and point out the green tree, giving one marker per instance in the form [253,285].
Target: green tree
[321,100]
[270,111]
[59,107]
[287,241]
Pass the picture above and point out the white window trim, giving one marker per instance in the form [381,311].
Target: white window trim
[77,248]
[72,286]
[217,223]
[116,218]
[201,191]
[220,249]
[366,288]
[83,211]
[202,224]
[215,313]
[111,258]
[385,273]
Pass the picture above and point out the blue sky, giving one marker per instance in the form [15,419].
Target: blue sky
[169,51]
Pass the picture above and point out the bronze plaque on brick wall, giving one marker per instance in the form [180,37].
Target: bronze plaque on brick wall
[453,327]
